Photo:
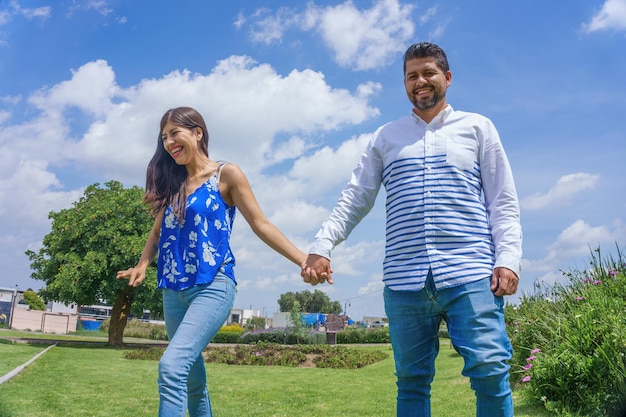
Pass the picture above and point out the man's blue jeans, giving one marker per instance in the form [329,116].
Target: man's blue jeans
[475,320]
[192,317]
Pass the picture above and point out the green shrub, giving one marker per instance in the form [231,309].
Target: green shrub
[360,335]
[273,354]
[226,337]
[570,340]
[139,329]
[228,334]
[284,337]
[271,336]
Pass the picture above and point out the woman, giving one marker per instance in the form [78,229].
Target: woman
[193,200]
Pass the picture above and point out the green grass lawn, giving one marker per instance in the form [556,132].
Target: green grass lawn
[12,356]
[95,381]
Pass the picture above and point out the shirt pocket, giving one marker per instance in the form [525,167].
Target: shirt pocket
[461,152]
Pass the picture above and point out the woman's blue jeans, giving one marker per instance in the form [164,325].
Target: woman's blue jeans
[192,317]
[475,319]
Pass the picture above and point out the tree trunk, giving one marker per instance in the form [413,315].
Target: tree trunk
[119,316]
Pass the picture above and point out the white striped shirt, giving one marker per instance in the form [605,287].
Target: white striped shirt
[451,201]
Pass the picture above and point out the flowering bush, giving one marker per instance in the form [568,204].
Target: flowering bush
[570,341]
[228,334]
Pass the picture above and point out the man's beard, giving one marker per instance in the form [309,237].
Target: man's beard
[429,103]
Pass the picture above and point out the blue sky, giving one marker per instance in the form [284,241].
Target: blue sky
[291,91]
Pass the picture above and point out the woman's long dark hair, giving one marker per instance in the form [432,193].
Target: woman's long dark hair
[165,179]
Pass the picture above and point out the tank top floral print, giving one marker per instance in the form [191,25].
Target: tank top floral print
[193,252]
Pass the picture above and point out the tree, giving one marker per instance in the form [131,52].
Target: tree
[295,319]
[255,323]
[103,232]
[33,300]
[309,302]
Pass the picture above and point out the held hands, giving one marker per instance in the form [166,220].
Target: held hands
[504,282]
[316,269]
[134,275]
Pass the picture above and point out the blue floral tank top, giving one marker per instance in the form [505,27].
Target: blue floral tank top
[193,252]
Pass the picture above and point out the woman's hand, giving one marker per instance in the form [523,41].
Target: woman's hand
[134,275]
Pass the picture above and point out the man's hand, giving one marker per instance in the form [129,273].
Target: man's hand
[316,269]
[504,282]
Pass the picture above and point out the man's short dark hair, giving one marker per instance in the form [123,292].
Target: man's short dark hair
[427,50]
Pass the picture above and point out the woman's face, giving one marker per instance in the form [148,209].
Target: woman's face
[181,142]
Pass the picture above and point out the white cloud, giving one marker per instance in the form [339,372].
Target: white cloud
[366,39]
[29,194]
[99,6]
[612,16]
[575,242]
[562,193]
[360,39]
[5,17]
[439,29]
[240,20]
[358,258]
[430,13]
[327,167]
[91,88]
[570,251]
[89,127]
[269,26]
[29,12]
[374,285]
[119,126]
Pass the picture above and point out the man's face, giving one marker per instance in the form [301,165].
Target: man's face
[426,84]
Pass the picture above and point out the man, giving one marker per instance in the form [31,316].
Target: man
[453,237]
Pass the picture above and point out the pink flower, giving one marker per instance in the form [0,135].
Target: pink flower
[526,378]
[528,366]
[612,272]
[580,298]
[535,351]
[531,358]
[596,282]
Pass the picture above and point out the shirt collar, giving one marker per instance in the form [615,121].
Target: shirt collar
[438,119]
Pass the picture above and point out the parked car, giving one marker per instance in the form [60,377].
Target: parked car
[379,323]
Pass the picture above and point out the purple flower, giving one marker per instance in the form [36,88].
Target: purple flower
[596,282]
[531,358]
[526,378]
[535,351]
[612,272]
[580,298]
[528,366]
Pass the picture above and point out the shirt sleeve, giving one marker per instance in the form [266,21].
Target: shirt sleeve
[501,201]
[356,200]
